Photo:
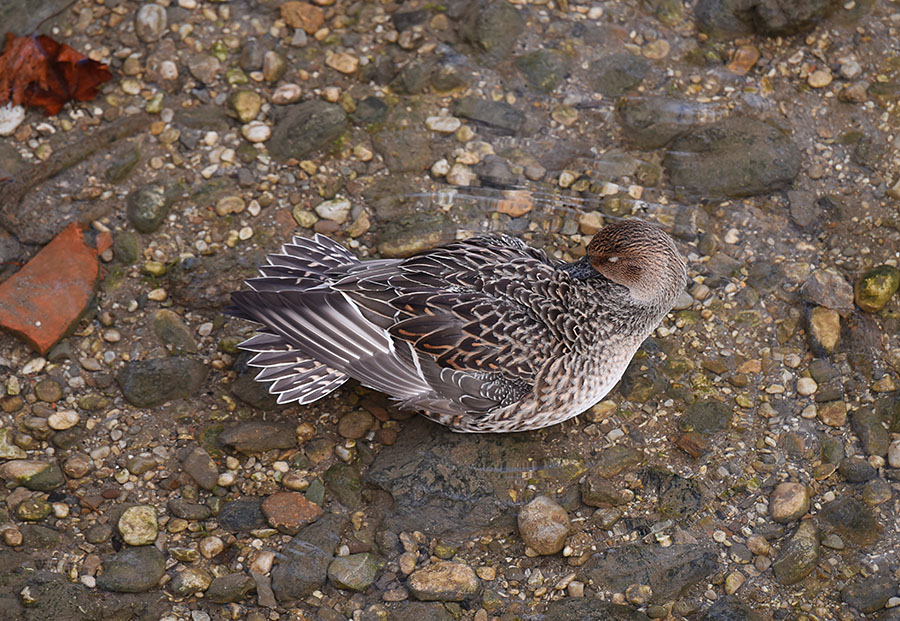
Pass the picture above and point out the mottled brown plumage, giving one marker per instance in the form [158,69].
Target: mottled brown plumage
[485,334]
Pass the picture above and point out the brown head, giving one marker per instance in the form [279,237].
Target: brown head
[642,257]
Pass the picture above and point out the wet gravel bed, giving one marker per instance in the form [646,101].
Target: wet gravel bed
[745,467]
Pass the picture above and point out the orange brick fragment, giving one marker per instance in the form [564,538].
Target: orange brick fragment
[42,301]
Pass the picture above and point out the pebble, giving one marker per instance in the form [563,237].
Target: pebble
[256,131]
[799,555]
[819,78]
[443,124]
[343,62]
[355,424]
[138,525]
[833,413]
[211,546]
[460,174]
[230,588]
[355,572]
[893,455]
[10,118]
[444,581]
[190,580]
[806,386]
[789,502]
[133,570]
[150,22]
[287,94]
[230,204]
[336,210]
[63,419]
[544,525]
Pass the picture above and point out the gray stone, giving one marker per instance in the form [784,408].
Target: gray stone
[403,150]
[305,128]
[870,594]
[36,475]
[255,394]
[767,17]
[147,207]
[444,581]
[190,580]
[544,69]
[172,332]
[734,157]
[798,556]
[706,417]
[150,22]
[200,466]
[258,437]
[230,588]
[149,383]
[730,608]
[856,469]
[616,74]
[492,28]
[240,516]
[496,115]
[669,572]
[132,570]
[828,288]
[179,507]
[304,567]
[869,428]
[355,572]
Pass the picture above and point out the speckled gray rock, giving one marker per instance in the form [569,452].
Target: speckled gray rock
[149,383]
[355,572]
[544,525]
[798,556]
[768,17]
[869,428]
[669,572]
[230,588]
[870,594]
[734,157]
[403,150]
[618,73]
[258,437]
[305,128]
[495,115]
[200,466]
[851,519]
[172,332]
[730,608]
[190,580]
[132,570]
[243,515]
[706,416]
[306,559]
[544,69]
[492,28]
[828,288]
[652,122]
[147,207]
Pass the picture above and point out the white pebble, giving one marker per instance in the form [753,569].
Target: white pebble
[287,94]
[443,124]
[35,365]
[63,419]
[732,236]
[245,233]
[256,131]
[10,118]
[806,386]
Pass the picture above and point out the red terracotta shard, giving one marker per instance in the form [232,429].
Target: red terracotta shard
[42,301]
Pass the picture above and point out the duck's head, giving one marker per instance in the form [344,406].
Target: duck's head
[641,257]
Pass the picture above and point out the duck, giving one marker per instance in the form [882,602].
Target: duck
[483,335]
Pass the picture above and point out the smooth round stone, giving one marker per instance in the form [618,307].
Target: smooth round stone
[133,570]
[150,22]
[63,419]
[211,546]
[544,525]
[48,390]
[806,386]
[443,124]
[876,287]
[337,210]
[191,580]
[354,425]
[893,455]
[256,131]
[789,502]
[138,525]
[246,104]
[355,572]
[10,119]
[287,94]
[819,78]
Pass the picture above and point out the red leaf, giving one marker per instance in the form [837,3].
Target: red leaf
[38,71]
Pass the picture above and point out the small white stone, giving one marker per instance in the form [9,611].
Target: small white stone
[809,411]
[187,4]
[460,174]
[168,70]
[226,479]
[263,562]
[205,329]
[158,295]
[245,233]
[287,94]
[10,118]
[443,124]
[88,581]
[256,131]
[35,365]
[440,168]
[819,78]
[806,386]
[894,454]
[63,419]
[337,210]
[211,546]
[732,236]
